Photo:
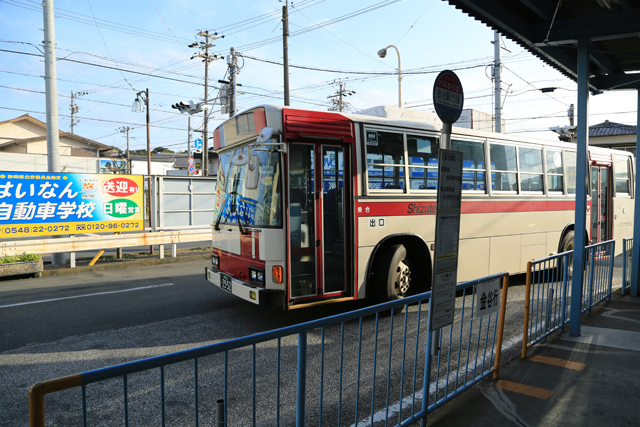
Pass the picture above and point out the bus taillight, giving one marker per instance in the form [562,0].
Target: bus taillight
[276,273]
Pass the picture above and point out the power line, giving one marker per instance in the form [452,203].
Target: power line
[256,21]
[84,19]
[365,73]
[105,66]
[103,87]
[341,18]
[93,119]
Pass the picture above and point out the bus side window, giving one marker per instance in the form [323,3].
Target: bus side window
[621,171]
[472,164]
[530,169]
[570,158]
[422,152]
[554,171]
[385,160]
[504,167]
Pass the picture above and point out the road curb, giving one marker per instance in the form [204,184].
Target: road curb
[59,271]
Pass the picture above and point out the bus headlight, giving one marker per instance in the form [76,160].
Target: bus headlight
[215,261]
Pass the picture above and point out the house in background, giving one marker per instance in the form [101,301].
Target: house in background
[23,148]
[614,135]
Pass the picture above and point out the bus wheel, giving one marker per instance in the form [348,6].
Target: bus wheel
[393,274]
[567,245]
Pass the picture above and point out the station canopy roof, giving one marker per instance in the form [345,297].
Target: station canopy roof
[551,29]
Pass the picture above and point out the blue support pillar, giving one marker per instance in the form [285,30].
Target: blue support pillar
[635,254]
[582,184]
[301,391]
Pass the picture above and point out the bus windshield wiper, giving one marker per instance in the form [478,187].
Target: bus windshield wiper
[217,224]
[234,206]
[234,209]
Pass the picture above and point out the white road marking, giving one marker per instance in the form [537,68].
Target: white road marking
[87,295]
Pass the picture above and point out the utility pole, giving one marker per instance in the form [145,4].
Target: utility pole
[285,50]
[73,107]
[496,75]
[339,104]
[51,88]
[206,59]
[51,91]
[571,113]
[126,129]
[232,62]
[189,138]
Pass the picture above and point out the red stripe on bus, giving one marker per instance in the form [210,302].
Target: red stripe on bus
[518,206]
[365,209]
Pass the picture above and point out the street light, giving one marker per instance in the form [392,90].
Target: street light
[382,53]
[137,107]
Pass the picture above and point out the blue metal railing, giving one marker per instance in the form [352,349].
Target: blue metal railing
[627,247]
[355,368]
[548,290]
[466,348]
[599,274]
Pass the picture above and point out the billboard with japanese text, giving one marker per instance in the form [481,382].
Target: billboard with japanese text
[39,204]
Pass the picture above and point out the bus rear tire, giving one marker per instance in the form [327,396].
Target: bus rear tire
[568,245]
[393,274]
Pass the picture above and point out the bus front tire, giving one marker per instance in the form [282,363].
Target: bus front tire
[393,274]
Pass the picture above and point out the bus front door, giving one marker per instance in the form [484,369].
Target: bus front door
[333,220]
[600,202]
[318,258]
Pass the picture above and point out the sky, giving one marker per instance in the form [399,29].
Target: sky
[109,50]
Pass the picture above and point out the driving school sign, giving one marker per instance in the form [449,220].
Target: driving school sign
[38,204]
[448,96]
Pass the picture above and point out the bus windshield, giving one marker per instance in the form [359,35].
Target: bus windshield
[241,198]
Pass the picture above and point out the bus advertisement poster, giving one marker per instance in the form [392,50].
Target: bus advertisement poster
[47,204]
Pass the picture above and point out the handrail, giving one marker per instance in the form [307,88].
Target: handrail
[102,241]
[449,366]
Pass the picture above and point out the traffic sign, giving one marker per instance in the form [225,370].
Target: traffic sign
[448,96]
[191,169]
[197,144]
[190,161]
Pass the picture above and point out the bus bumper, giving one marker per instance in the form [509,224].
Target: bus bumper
[246,291]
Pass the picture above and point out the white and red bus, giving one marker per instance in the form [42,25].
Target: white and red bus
[317,207]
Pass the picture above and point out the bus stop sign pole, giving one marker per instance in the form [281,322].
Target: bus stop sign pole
[448,98]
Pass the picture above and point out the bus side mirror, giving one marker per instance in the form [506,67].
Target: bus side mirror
[240,160]
[265,135]
[254,173]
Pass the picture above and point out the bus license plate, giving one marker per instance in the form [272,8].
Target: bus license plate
[225,282]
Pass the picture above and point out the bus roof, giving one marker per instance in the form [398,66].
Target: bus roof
[404,118]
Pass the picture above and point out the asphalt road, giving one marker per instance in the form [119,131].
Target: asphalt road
[61,325]
[37,311]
